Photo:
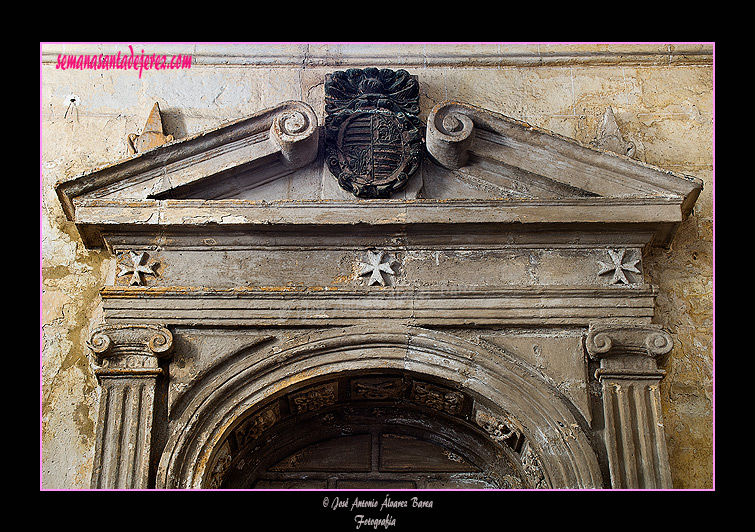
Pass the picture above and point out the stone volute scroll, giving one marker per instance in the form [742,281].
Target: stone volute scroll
[629,376]
[450,133]
[628,350]
[285,137]
[129,350]
[296,132]
[127,366]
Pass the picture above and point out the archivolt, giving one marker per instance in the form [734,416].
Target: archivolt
[554,431]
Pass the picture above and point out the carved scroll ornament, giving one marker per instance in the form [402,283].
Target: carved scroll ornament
[294,130]
[629,376]
[128,357]
[450,133]
[130,349]
[628,347]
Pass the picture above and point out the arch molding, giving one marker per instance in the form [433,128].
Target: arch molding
[513,406]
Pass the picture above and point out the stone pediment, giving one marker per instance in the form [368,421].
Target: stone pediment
[480,167]
[482,284]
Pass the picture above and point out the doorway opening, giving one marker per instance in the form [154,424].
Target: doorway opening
[368,431]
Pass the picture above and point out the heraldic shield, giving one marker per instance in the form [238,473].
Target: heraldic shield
[373,143]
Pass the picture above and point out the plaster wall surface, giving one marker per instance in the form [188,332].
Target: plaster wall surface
[661,95]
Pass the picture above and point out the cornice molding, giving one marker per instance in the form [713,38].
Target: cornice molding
[405,55]
[453,129]
[542,305]
[143,193]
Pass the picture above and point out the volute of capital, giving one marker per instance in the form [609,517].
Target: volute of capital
[622,340]
[123,340]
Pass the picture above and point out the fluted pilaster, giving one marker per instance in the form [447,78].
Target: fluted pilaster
[629,374]
[127,367]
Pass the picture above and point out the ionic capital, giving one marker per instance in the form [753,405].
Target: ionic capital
[628,350]
[130,350]
[629,374]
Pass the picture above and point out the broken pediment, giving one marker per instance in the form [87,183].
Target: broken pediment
[479,167]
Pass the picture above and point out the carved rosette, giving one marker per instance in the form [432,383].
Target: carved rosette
[130,349]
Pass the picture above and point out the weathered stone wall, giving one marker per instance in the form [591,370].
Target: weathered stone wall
[662,97]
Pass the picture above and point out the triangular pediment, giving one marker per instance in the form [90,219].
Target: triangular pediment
[475,158]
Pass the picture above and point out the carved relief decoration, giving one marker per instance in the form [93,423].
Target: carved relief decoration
[256,424]
[377,264]
[378,388]
[618,265]
[502,431]
[136,266]
[532,468]
[314,398]
[222,463]
[437,397]
[129,349]
[175,193]
[372,132]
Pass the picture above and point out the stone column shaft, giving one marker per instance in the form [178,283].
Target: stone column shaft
[629,375]
[127,369]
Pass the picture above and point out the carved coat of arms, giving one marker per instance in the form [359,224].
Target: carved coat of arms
[373,142]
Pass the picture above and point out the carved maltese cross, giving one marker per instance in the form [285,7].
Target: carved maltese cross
[376,266]
[137,268]
[618,266]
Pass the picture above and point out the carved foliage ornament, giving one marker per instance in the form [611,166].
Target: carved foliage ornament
[373,143]
[437,398]
[314,398]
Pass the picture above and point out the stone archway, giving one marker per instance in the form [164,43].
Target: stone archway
[493,402]
[361,430]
